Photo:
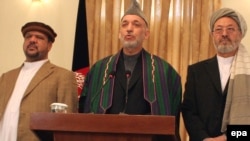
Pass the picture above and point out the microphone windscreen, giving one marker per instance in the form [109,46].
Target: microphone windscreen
[128,73]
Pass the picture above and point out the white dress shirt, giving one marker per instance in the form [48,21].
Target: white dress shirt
[224,68]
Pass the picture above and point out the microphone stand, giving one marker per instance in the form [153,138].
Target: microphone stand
[111,76]
[128,74]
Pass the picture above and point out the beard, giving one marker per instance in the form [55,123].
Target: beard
[31,51]
[132,44]
[129,44]
[226,48]
[31,55]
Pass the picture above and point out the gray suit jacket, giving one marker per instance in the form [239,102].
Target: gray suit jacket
[50,84]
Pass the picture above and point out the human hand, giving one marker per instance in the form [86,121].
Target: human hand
[208,139]
[218,138]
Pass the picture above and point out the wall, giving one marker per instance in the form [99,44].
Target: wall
[60,14]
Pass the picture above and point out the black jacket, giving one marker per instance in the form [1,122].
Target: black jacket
[204,102]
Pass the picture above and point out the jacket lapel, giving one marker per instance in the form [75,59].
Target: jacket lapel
[120,73]
[136,73]
[134,76]
[45,70]
[213,71]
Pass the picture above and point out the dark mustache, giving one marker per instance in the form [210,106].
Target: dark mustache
[32,45]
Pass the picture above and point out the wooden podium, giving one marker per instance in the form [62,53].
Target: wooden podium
[102,127]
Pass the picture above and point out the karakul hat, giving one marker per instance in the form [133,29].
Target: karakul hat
[135,9]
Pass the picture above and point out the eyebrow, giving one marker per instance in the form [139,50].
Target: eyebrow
[135,20]
[231,24]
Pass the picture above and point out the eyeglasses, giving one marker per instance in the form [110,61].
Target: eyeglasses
[229,30]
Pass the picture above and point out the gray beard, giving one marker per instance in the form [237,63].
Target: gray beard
[226,48]
[130,44]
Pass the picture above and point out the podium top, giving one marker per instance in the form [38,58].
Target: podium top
[103,123]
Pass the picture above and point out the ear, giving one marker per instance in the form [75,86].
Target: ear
[241,35]
[147,33]
[49,46]
[212,34]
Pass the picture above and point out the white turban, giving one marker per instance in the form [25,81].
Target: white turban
[227,12]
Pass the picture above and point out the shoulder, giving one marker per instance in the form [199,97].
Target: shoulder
[103,61]
[12,71]
[57,69]
[202,63]
[10,76]
[156,58]
[163,63]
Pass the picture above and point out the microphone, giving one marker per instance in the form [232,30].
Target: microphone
[128,75]
[111,76]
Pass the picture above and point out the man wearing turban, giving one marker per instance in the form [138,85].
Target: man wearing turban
[216,92]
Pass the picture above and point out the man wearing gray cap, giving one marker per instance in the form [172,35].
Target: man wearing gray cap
[34,85]
[216,90]
[133,81]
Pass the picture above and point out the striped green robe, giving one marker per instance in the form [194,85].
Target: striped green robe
[162,86]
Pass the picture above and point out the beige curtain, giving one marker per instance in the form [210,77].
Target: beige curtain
[179,31]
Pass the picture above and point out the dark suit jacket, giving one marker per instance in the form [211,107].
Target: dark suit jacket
[204,101]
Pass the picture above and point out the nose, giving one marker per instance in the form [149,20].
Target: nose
[33,39]
[129,28]
[224,32]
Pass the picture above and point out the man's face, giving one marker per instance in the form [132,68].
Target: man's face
[36,46]
[226,36]
[133,31]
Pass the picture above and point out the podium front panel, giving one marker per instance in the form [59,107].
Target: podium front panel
[93,127]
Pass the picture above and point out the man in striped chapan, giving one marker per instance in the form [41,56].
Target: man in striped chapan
[133,81]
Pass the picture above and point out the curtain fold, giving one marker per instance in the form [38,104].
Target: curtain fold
[178,31]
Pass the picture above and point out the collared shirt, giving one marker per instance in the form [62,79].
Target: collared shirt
[224,68]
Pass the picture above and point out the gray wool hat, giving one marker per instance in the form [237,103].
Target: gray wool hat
[227,12]
[135,9]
